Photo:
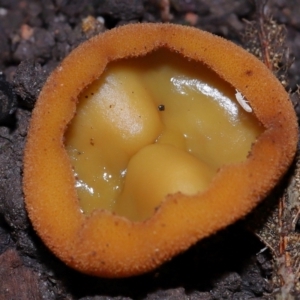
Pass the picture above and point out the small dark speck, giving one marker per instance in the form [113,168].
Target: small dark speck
[249,72]
[297,227]
[161,107]
[86,97]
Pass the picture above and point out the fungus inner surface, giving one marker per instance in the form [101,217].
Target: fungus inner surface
[152,126]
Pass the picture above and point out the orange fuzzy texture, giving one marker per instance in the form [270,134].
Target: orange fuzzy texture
[107,245]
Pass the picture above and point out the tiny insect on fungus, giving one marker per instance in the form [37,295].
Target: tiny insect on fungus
[161,107]
[242,101]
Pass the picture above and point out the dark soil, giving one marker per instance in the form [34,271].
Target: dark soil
[34,37]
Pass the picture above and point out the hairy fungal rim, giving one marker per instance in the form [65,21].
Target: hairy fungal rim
[111,246]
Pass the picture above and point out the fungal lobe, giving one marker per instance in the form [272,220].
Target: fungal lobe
[204,128]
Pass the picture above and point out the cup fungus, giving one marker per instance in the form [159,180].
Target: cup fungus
[173,167]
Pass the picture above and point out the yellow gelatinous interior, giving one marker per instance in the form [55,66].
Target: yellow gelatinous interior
[153,126]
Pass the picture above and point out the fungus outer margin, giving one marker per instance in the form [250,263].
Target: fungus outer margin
[107,245]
